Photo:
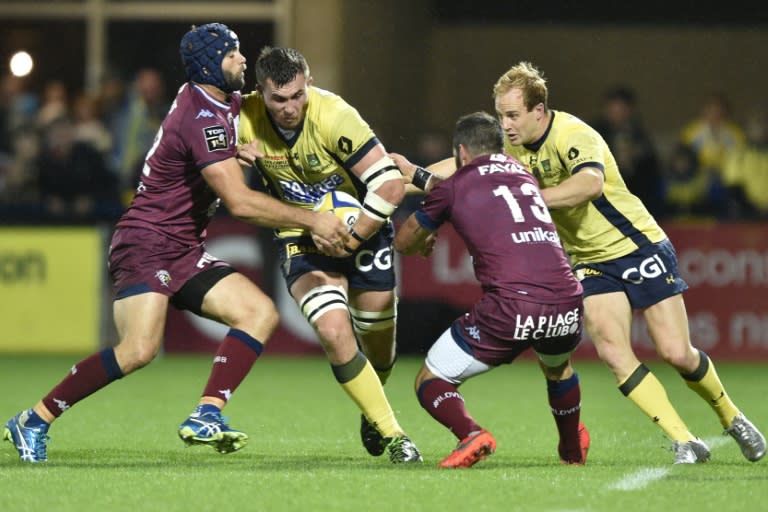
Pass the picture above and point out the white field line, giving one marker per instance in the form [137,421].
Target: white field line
[639,479]
[646,476]
[717,442]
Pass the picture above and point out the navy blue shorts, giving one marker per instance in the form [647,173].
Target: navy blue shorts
[370,268]
[647,276]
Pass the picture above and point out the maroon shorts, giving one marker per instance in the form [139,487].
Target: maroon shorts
[498,329]
[141,260]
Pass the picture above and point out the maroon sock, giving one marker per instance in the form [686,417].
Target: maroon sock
[443,402]
[232,363]
[565,403]
[86,377]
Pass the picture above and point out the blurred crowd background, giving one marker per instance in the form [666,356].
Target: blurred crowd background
[71,147]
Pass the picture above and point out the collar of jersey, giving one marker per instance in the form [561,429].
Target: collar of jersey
[537,145]
[289,142]
[209,97]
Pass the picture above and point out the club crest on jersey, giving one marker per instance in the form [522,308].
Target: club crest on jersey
[473,331]
[164,277]
[312,160]
[216,138]
[345,144]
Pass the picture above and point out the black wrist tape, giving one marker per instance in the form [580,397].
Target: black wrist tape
[421,178]
[356,235]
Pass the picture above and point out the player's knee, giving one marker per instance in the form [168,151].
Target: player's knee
[266,316]
[556,369]
[333,331]
[133,355]
[612,352]
[365,322]
[421,377]
[144,357]
[679,355]
[325,308]
[257,315]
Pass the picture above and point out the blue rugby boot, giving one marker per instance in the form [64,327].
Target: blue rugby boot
[29,438]
[206,426]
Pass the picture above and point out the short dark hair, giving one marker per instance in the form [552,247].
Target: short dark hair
[281,65]
[480,133]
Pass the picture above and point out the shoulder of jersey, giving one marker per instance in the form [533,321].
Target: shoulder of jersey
[568,124]
[566,117]
[323,93]
[251,100]
[571,119]
[326,99]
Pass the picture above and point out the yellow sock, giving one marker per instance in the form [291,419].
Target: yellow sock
[645,390]
[705,382]
[361,383]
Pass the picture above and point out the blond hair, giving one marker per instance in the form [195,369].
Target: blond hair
[528,79]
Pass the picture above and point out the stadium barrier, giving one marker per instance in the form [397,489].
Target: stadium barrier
[726,266]
[51,284]
[53,291]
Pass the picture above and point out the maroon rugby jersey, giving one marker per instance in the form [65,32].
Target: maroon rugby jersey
[496,208]
[172,197]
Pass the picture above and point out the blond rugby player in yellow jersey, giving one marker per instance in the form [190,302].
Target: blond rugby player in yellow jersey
[303,142]
[622,257]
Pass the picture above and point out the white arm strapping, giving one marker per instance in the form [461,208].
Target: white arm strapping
[383,170]
[377,208]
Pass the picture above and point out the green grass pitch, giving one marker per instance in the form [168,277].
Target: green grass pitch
[118,449]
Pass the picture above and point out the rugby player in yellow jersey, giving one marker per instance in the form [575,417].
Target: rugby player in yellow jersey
[620,254]
[303,142]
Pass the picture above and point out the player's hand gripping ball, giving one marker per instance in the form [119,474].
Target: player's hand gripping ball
[342,205]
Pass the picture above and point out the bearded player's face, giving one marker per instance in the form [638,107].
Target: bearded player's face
[233,68]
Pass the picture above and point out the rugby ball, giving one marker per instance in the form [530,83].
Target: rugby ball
[344,206]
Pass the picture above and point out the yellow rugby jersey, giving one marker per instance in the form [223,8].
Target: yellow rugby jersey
[611,226]
[317,158]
